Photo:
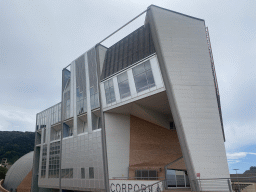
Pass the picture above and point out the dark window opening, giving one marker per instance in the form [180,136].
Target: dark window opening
[82,173]
[172,125]
[91,173]
[146,175]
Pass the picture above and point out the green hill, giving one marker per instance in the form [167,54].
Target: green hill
[15,144]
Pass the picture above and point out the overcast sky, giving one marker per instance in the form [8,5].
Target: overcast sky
[39,38]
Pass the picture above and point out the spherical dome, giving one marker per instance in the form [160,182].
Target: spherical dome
[18,171]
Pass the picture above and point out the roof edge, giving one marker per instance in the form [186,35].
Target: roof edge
[175,12]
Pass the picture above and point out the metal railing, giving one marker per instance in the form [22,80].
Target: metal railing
[217,184]
[239,183]
[233,184]
[176,183]
[139,178]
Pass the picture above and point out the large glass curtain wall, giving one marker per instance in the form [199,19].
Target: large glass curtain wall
[81,103]
[66,93]
[93,78]
[41,120]
[82,90]
[55,112]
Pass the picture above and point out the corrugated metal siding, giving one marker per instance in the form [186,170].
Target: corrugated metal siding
[132,48]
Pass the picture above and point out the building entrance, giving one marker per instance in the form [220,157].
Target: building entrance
[176,178]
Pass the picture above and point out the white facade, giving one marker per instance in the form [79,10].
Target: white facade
[187,72]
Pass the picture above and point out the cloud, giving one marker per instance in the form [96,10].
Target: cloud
[233,161]
[239,133]
[239,155]
[17,119]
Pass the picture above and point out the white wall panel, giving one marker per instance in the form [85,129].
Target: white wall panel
[183,55]
[118,144]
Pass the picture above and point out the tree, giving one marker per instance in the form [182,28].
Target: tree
[3,171]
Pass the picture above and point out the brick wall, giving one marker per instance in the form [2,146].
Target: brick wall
[152,147]
[25,185]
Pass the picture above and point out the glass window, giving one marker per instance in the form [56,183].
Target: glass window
[123,85]
[82,173]
[146,174]
[67,173]
[95,121]
[44,135]
[71,173]
[143,76]
[44,158]
[67,130]
[91,173]
[54,162]
[109,91]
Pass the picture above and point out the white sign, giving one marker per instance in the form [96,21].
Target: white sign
[133,185]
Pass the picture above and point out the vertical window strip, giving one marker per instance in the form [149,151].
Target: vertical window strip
[44,159]
[82,173]
[123,85]
[54,160]
[91,173]
[109,91]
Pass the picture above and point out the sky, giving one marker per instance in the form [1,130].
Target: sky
[39,38]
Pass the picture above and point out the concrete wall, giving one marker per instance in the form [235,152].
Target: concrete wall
[117,128]
[184,60]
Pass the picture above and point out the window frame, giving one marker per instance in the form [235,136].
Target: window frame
[147,72]
[109,90]
[91,172]
[120,82]
[143,174]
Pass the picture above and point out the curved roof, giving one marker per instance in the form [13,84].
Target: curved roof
[18,171]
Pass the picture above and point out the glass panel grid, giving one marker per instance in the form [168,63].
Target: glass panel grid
[44,159]
[54,160]
[143,76]
[146,175]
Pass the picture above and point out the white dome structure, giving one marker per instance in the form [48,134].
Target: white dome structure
[18,172]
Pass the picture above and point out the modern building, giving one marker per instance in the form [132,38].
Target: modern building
[4,162]
[145,109]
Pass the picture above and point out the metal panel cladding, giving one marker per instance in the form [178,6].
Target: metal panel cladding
[129,50]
